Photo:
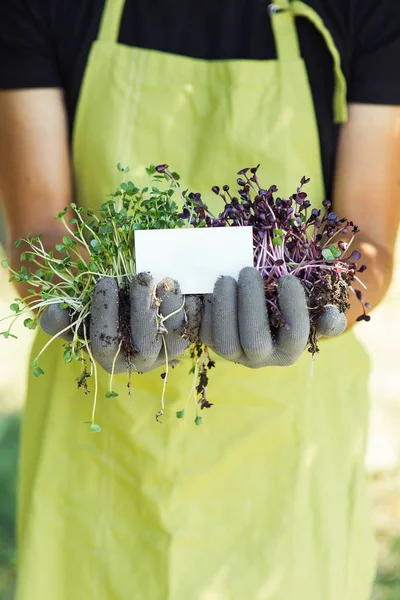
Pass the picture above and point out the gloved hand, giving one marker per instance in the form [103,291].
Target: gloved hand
[147,303]
[235,323]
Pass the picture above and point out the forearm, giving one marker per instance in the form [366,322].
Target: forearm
[35,170]
[367,191]
[376,278]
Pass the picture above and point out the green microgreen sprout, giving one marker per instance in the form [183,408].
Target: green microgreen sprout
[95,245]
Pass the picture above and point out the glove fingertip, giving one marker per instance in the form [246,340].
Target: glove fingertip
[332,322]
[249,276]
[168,287]
[54,319]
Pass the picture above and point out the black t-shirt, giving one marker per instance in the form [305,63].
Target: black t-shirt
[45,43]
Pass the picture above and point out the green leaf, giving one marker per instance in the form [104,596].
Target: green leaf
[37,372]
[95,244]
[176,176]
[62,213]
[335,251]
[17,242]
[120,167]
[111,395]
[180,414]
[34,364]
[60,248]
[68,356]
[81,265]
[198,420]
[30,323]
[106,228]
[14,307]
[67,241]
[327,254]
[95,428]
[4,263]
[151,170]
[277,241]
[7,334]
[93,267]
[278,232]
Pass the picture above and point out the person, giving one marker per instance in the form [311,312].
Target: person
[267,499]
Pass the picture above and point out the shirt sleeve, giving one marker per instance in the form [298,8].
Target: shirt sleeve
[374,66]
[27,55]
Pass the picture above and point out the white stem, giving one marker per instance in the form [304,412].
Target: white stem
[93,364]
[173,313]
[54,338]
[113,364]
[166,374]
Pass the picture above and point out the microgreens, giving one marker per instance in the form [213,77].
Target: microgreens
[289,238]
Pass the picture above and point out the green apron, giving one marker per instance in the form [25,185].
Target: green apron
[267,499]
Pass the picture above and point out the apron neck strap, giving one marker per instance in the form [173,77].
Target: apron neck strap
[111,21]
[284,30]
[283,13]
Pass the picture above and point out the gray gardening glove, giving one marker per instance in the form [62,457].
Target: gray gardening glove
[235,323]
[147,301]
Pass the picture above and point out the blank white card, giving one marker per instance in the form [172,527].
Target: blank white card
[194,257]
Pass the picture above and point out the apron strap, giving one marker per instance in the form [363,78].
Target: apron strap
[284,31]
[111,21]
[283,37]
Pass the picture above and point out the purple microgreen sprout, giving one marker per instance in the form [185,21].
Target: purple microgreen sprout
[290,238]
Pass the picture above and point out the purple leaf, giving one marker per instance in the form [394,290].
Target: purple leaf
[355,255]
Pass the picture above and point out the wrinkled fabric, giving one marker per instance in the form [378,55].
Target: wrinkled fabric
[267,499]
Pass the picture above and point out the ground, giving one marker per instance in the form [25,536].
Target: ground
[381,337]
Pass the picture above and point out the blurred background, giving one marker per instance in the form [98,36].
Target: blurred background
[381,338]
